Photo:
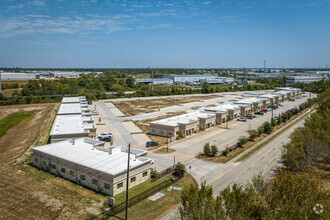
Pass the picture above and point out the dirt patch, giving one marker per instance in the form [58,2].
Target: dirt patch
[136,107]
[29,193]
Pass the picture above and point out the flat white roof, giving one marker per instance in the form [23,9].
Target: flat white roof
[69,108]
[70,99]
[249,100]
[83,153]
[70,124]
[189,117]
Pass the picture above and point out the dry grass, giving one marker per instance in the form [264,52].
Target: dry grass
[25,191]
[9,92]
[136,107]
[164,150]
[148,209]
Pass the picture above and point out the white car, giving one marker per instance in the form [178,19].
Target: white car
[94,112]
[242,119]
[105,134]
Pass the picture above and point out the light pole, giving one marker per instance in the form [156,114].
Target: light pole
[128,153]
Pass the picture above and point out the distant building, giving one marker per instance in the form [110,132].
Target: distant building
[218,80]
[16,76]
[303,79]
[88,163]
[65,74]
[163,81]
[188,78]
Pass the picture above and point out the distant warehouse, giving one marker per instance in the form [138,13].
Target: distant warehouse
[16,76]
[155,81]
[88,163]
[303,79]
[189,78]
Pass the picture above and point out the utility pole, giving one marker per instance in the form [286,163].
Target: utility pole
[152,80]
[128,156]
[174,162]
[264,68]
[0,82]
[167,143]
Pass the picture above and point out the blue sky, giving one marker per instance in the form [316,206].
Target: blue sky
[193,34]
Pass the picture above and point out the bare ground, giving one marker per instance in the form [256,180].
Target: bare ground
[25,191]
[136,107]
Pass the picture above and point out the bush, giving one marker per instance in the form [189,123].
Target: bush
[260,130]
[225,152]
[241,141]
[153,173]
[180,134]
[253,134]
[207,149]
[214,150]
[267,127]
[179,170]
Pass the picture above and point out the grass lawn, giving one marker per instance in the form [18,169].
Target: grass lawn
[140,189]
[12,120]
[148,209]
[164,150]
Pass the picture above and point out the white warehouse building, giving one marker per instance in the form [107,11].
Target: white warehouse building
[303,79]
[188,78]
[88,163]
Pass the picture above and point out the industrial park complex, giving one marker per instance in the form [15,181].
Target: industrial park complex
[207,117]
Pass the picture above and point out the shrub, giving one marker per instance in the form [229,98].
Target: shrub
[267,127]
[180,134]
[153,173]
[241,141]
[179,170]
[207,149]
[214,150]
[225,152]
[260,130]
[253,134]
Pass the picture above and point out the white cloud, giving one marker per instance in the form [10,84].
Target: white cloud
[38,3]
[206,3]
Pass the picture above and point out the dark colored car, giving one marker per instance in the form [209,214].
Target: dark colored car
[259,113]
[105,138]
[152,144]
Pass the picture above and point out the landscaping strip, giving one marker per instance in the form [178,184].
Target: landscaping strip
[13,119]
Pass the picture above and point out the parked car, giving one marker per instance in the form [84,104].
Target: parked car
[259,113]
[280,105]
[292,100]
[152,144]
[105,138]
[264,110]
[274,106]
[242,119]
[94,112]
[105,134]
[269,109]
[251,115]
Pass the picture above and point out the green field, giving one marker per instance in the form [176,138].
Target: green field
[12,120]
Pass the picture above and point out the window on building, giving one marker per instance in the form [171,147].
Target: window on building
[119,185]
[94,181]
[63,170]
[71,173]
[133,179]
[153,130]
[145,174]
[54,166]
[161,132]
[107,185]
[170,133]
[44,163]
[82,177]
[36,160]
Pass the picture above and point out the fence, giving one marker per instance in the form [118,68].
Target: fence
[138,198]
[163,173]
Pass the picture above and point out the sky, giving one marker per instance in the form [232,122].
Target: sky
[164,33]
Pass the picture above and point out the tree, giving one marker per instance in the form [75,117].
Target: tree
[179,170]
[241,141]
[253,134]
[199,203]
[207,149]
[205,87]
[267,127]
[294,195]
[214,150]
